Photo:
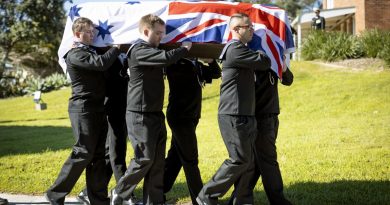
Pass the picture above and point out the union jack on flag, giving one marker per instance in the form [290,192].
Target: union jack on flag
[198,22]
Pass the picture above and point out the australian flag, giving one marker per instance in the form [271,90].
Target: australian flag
[195,21]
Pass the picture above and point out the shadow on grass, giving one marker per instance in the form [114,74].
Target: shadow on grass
[345,192]
[30,139]
[340,192]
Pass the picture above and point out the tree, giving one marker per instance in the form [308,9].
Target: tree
[30,26]
[293,7]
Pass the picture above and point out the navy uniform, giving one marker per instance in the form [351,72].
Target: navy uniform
[115,108]
[267,111]
[186,78]
[318,23]
[236,119]
[115,105]
[89,124]
[146,121]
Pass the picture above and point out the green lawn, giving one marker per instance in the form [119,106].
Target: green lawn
[333,143]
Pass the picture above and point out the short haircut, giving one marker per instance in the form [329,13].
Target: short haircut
[237,16]
[149,21]
[80,24]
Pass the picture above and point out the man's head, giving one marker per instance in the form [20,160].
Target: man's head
[317,11]
[83,30]
[152,29]
[241,27]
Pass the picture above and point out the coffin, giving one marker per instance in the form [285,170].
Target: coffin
[202,22]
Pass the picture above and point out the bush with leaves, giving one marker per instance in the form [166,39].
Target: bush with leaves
[14,83]
[19,82]
[376,44]
[331,46]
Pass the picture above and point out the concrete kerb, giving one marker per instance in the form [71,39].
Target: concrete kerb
[20,199]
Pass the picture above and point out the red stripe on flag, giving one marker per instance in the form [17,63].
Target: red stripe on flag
[256,15]
[196,29]
[272,23]
[219,8]
[275,54]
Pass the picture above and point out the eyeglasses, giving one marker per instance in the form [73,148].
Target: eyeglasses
[246,26]
[88,32]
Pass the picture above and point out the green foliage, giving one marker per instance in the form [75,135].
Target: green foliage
[20,83]
[14,83]
[312,45]
[331,46]
[333,142]
[31,27]
[372,41]
[385,53]
[376,43]
[56,81]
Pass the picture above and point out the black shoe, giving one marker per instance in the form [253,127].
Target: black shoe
[115,198]
[3,201]
[51,200]
[206,201]
[83,198]
[133,200]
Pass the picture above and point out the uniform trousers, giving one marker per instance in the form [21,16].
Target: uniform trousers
[116,145]
[266,162]
[90,131]
[238,133]
[183,153]
[148,135]
[266,159]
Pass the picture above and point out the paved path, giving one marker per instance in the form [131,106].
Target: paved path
[28,199]
[19,199]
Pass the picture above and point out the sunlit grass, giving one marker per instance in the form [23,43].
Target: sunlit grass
[333,143]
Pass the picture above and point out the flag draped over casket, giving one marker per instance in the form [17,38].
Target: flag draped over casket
[198,22]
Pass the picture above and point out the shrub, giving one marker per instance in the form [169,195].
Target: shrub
[13,83]
[312,45]
[19,82]
[372,41]
[331,46]
[385,54]
[55,81]
[340,46]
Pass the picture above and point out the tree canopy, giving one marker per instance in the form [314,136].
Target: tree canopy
[31,27]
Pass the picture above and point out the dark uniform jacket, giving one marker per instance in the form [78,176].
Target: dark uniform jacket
[237,95]
[146,85]
[116,88]
[86,71]
[186,78]
[267,97]
[318,23]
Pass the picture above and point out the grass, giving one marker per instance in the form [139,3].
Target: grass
[333,143]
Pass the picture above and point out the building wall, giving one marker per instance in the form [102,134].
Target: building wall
[369,13]
[377,14]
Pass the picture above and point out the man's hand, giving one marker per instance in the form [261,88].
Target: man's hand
[117,46]
[284,66]
[207,60]
[187,45]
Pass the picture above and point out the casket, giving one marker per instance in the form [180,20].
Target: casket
[202,22]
